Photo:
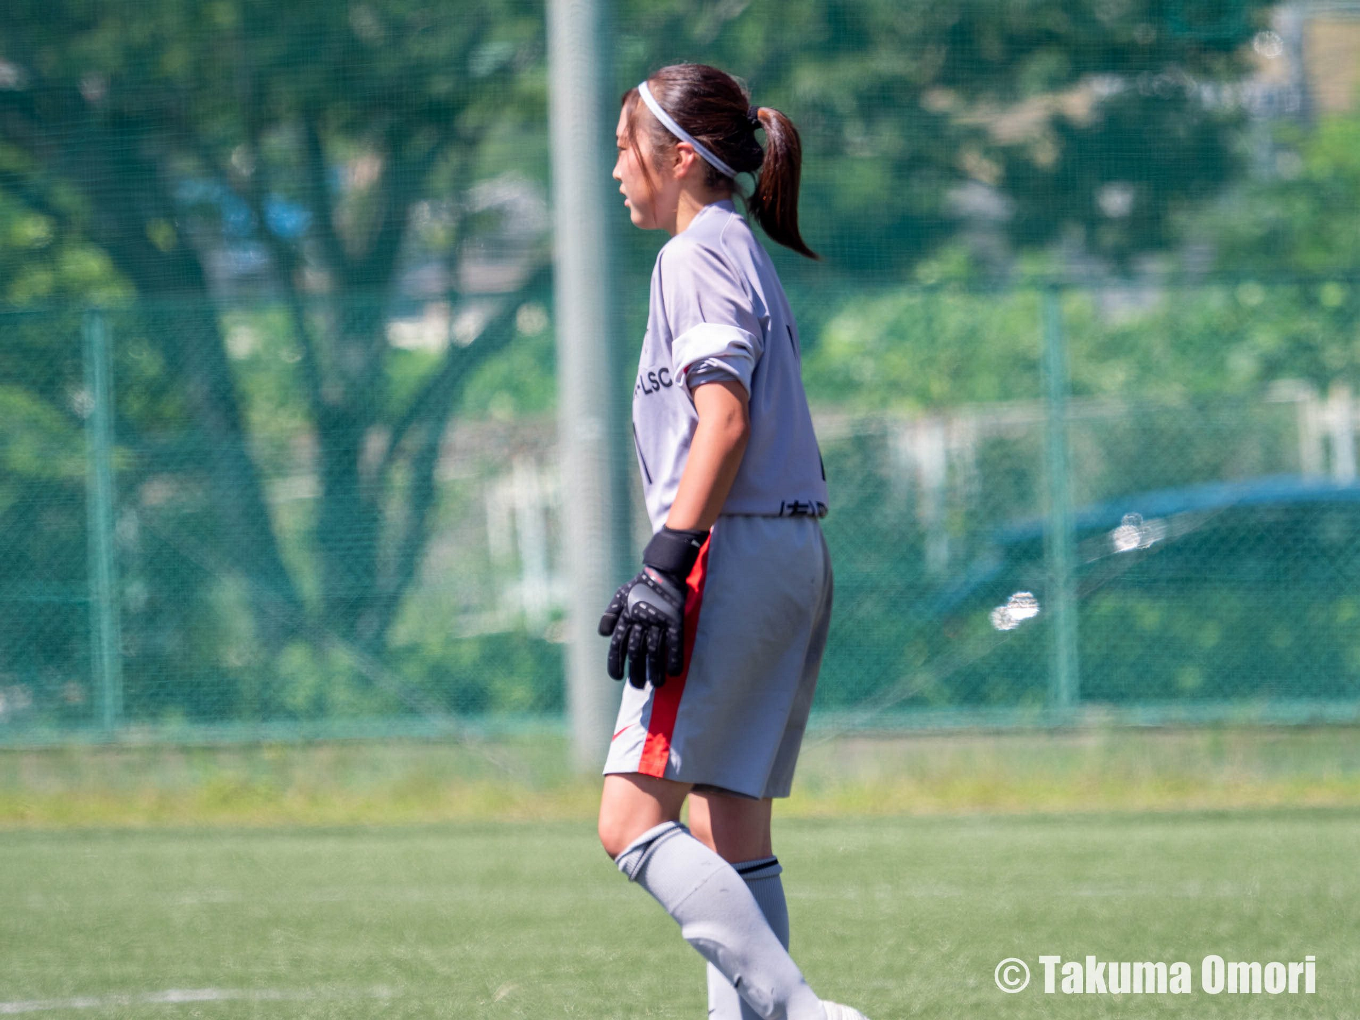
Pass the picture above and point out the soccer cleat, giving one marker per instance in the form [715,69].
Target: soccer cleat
[835,1011]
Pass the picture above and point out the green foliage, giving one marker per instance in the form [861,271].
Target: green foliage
[504,674]
[43,562]
[42,261]
[919,349]
[1048,101]
[913,349]
[522,381]
[277,456]
[309,140]
[1302,218]
[1233,338]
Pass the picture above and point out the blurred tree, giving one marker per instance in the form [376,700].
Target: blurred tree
[106,113]
[40,264]
[1304,219]
[1088,115]
[332,124]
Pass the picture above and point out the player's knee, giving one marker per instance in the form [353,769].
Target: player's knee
[613,836]
[618,831]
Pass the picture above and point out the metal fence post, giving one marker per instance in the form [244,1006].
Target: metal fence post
[105,628]
[1059,539]
[589,423]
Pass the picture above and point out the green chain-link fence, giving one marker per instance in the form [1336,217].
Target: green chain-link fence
[277,390]
[166,567]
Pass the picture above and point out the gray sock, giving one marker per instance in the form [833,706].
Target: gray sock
[720,918]
[762,878]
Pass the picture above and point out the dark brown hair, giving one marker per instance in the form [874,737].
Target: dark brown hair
[715,109]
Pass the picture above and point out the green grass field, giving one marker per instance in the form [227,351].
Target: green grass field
[906,917]
[238,912]
[418,782]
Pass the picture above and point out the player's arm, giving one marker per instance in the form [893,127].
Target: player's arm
[715,453]
[645,618]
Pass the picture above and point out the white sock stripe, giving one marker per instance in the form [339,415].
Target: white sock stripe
[636,853]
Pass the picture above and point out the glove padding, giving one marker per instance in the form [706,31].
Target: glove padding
[646,624]
[645,620]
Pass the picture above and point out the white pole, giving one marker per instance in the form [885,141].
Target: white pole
[589,419]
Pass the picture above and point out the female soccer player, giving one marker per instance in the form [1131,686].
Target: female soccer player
[722,632]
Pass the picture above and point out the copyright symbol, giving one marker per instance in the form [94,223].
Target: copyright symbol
[1011,975]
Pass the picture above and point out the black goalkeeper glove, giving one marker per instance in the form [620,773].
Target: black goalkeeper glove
[645,620]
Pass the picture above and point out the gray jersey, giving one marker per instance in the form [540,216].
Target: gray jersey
[718,311]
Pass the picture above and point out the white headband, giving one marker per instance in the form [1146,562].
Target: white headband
[670,125]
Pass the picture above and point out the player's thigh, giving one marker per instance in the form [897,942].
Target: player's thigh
[632,803]
[736,827]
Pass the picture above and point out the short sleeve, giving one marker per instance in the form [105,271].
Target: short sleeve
[709,312]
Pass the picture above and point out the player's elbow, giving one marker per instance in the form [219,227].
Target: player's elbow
[729,424]
[739,422]
[724,411]
[734,432]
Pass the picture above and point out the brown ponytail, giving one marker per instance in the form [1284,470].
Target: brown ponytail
[775,201]
[714,108]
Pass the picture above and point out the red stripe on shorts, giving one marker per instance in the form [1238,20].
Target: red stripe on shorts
[656,749]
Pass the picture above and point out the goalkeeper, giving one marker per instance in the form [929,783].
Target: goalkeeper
[721,634]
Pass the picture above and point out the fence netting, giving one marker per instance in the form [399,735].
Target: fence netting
[1213,542]
[278,446]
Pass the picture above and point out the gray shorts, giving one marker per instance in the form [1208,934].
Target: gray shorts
[756,622]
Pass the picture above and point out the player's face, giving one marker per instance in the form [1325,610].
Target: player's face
[639,196]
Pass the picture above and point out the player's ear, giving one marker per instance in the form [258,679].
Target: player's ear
[685,157]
